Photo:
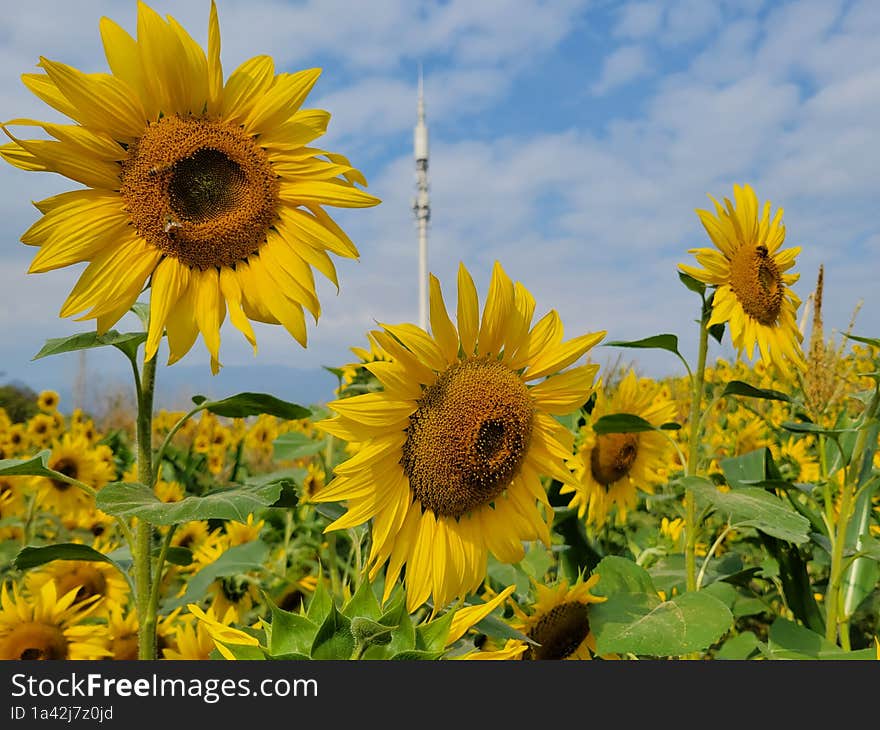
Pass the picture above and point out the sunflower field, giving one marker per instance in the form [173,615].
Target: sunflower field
[478,490]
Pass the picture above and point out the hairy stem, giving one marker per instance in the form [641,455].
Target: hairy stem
[143,539]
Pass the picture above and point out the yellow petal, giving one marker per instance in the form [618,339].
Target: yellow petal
[210,311]
[499,301]
[468,311]
[170,280]
[281,101]
[565,392]
[102,102]
[325,192]
[231,291]
[245,86]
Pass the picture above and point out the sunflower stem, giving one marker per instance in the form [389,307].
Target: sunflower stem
[143,578]
[690,557]
[854,475]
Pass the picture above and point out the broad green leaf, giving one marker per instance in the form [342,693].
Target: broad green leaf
[123,499]
[752,507]
[737,387]
[668,574]
[35,466]
[537,561]
[788,640]
[127,342]
[640,623]
[243,405]
[622,423]
[749,606]
[142,312]
[404,637]
[239,559]
[296,445]
[199,399]
[860,579]
[31,557]
[244,652]
[619,575]
[724,592]
[333,639]
[717,332]
[289,632]
[739,647]
[740,471]
[499,629]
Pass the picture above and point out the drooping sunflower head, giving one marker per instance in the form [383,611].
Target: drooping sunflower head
[612,467]
[559,621]
[453,449]
[205,190]
[748,270]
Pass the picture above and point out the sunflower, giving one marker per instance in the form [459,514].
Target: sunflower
[49,626]
[87,578]
[559,621]
[208,190]
[748,270]
[72,457]
[48,401]
[122,630]
[455,445]
[611,467]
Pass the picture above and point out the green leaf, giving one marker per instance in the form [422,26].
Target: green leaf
[243,405]
[657,342]
[35,466]
[622,423]
[740,471]
[296,445]
[431,636]
[739,647]
[788,640]
[416,654]
[640,623]
[31,557]
[289,633]
[619,575]
[695,285]
[363,603]
[127,342]
[404,637]
[753,507]
[738,387]
[805,427]
[199,399]
[320,605]
[872,341]
[717,332]
[142,312]
[236,560]
[179,556]
[724,592]
[333,639]
[123,499]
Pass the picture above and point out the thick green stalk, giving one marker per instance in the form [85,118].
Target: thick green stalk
[855,472]
[694,420]
[143,579]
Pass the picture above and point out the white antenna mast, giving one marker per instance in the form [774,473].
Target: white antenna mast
[421,204]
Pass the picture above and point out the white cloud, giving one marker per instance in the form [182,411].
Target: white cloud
[639,20]
[623,65]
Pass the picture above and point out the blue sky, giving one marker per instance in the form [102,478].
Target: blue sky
[570,140]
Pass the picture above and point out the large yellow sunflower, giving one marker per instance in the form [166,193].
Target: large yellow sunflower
[72,457]
[49,626]
[455,445]
[559,621]
[611,467]
[748,270]
[208,190]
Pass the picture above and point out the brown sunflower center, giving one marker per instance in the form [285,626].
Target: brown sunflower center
[468,437]
[69,468]
[613,456]
[757,283]
[89,580]
[200,190]
[559,632]
[34,640]
[125,647]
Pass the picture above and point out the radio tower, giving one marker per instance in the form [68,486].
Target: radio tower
[421,206]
